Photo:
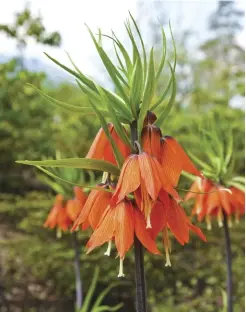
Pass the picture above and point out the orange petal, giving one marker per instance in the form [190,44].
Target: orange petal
[187,164]
[73,208]
[158,219]
[142,233]
[99,206]
[178,222]
[129,179]
[124,230]
[105,230]
[151,141]
[195,187]
[197,231]
[83,216]
[99,144]
[149,175]
[80,195]
[213,199]
[225,201]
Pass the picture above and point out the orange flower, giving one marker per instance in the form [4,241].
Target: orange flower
[174,160]
[119,224]
[143,175]
[102,149]
[94,207]
[168,214]
[58,215]
[219,200]
[74,206]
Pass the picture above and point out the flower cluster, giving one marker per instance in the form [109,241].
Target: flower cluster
[64,213]
[216,200]
[144,200]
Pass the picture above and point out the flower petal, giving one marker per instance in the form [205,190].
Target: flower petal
[143,234]
[105,230]
[197,231]
[124,230]
[158,219]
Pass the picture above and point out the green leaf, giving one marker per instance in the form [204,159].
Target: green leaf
[164,52]
[56,177]
[68,107]
[169,105]
[83,78]
[55,186]
[117,154]
[239,179]
[127,58]
[200,162]
[148,92]
[174,47]
[90,293]
[238,185]
[103,294]
[136,87]
[112,70]
[83,163]
[108,308]
[118,126]
[143,47]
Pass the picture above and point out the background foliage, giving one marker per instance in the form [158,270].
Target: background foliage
[36,271]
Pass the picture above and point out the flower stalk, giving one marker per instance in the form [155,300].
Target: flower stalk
[78,281]
[228,264]
[141,304]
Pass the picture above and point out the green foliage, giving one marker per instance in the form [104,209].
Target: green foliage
[96,306]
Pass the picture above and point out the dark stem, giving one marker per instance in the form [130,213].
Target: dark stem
[141,305]
[78,281]
[228,264]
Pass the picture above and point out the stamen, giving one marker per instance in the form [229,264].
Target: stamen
[167,246]
[226,190]
[108,251]
[237,216]
[121,274]
[220,218]
[209,224]
[148,226]
[229,222]
[199,210]
[58,233]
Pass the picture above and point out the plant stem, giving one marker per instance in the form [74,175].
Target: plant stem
[228,264]
[78,281]
[141,305]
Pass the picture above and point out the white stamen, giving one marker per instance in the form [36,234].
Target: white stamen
[108,251]
[121,274]
[104,177]
[199,209]
[220,223]
[229,222]
[59,233]
[168,262]
[148,226]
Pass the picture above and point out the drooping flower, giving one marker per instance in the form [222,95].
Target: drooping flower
[174,160]
[74,206]
[102,149]
[58,216]
[143,175]
[216,201]
[166,215]
[119,223]
[94,207]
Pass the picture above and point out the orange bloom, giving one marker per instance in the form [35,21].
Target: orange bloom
[74,206]
[219,200]
[174,160]
[168,214]
[58,215]
[143,175]
[119,224]
[93,209]
[102,149]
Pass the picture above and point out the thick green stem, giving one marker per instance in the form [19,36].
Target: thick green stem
[141,305]
[228,264]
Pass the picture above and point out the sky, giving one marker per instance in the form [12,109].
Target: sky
[69,18]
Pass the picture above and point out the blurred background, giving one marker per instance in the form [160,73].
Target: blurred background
[36,268]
